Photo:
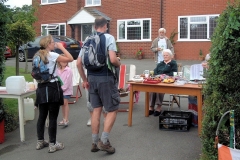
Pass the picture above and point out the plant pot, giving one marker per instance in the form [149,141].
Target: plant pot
[201,58]
[139,57]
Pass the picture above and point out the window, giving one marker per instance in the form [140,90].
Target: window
[134,29]
[93,2]
[196,28]
[52,1]
[53,29]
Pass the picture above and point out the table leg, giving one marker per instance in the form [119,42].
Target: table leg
[146,104]
[130,107]
[199,101]
[21,119]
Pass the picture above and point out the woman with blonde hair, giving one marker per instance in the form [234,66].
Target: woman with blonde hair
[49,95]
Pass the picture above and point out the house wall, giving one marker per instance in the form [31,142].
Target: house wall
[57,13]
[172,9]
[132,9]
[127,9]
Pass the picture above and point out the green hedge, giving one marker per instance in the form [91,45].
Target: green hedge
[222,90]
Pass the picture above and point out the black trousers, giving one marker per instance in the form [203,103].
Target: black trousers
[53,110]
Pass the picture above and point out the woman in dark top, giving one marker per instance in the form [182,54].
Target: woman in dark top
[167,66]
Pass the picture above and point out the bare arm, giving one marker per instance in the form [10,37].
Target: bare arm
[113,58]
[82,74]
[67,58]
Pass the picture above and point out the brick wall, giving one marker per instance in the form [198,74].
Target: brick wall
[174,8]
[134,9]
[56,13]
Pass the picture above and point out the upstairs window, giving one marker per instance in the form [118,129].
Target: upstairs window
[53,29]
[134,30]
[52,1]
[196,28]
[93,2]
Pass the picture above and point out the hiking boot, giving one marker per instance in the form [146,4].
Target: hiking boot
[106,147]
[55,147]
[94,148]
[41,144]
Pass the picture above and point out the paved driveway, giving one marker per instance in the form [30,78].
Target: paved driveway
[142,141]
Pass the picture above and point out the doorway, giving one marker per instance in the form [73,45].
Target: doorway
[87,30]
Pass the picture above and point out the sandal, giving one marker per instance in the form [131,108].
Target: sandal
[66,123]
[61,123]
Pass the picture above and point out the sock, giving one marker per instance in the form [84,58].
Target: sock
[104,137]
[95,138]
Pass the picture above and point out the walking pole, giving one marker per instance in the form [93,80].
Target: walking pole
[232,130]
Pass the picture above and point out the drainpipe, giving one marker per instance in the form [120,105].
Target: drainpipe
[108,26]
[161,14]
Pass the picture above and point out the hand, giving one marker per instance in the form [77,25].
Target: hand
[58,45]
[205,64]
[85,85]
[159,49]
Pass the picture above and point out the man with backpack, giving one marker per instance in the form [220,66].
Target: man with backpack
[101,82]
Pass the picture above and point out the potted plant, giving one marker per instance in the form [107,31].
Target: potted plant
[139,54]
[201,57]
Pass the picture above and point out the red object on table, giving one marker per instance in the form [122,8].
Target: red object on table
[2,131]
[151,81]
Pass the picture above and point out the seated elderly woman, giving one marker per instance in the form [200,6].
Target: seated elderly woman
[167,66]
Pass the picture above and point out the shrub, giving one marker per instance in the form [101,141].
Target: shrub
[11,120]
[222,88]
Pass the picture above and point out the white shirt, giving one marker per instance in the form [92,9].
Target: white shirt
[52,60]
[161,44]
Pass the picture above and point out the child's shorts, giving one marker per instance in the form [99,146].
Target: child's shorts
[66,96]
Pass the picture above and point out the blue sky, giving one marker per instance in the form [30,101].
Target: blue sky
[18,3]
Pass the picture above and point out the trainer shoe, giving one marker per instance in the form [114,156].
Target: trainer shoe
[89,122]
[41,144]
[106,147]
[55,147]
[94,148]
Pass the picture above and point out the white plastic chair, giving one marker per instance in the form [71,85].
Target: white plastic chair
[76,80]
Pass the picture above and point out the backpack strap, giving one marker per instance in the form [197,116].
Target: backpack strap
[54,70]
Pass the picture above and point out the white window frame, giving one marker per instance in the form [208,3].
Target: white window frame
[189,23]
[141,25]
[52,27]
[46,2]
[92,4]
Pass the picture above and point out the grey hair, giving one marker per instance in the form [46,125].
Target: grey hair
[168,51]
[162,29]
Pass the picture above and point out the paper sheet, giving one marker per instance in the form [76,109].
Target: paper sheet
[196,72]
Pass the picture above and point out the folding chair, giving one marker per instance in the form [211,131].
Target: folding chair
[176,97]
[75,79]
[124,91]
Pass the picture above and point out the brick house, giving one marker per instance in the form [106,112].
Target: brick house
[134,24]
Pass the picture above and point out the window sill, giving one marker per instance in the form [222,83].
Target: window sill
[194,40]
[44,4]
